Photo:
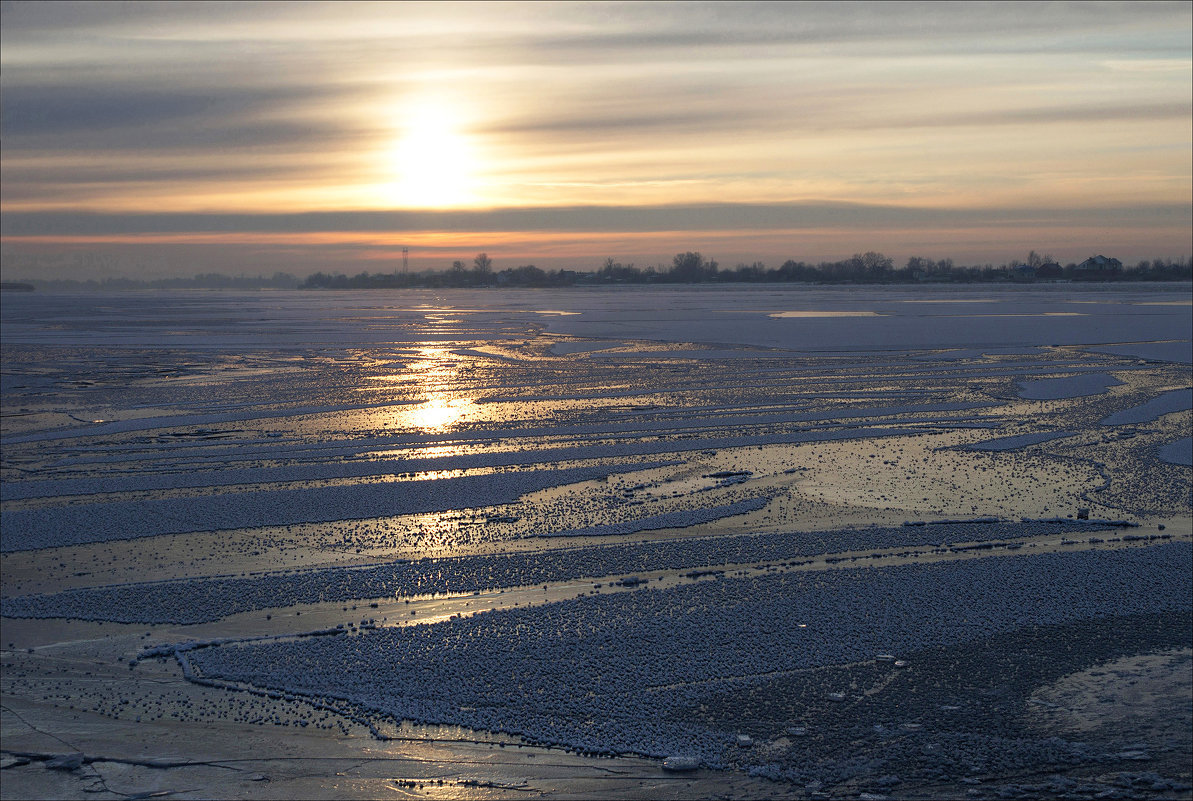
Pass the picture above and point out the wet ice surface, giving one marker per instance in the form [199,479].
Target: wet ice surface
[1071,387]
[664,519]
[1178,400]
[211,599]
[1178,452]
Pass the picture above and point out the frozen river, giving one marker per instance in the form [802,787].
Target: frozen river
[485,543]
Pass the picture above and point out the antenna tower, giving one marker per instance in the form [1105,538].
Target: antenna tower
[405,260]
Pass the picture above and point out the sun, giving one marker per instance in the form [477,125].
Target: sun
[433,160]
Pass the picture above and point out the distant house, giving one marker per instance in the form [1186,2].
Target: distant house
[1027,272]
[1100,263]
[1049,269]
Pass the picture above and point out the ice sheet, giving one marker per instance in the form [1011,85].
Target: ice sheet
[1178,400]
[899,469]
[1067,387]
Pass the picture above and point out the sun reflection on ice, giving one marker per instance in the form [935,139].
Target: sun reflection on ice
[439,414]
[435,376]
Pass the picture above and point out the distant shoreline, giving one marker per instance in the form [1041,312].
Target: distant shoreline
[385,281]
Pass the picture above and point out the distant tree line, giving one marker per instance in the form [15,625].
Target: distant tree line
[685,268]
[278,280]
[480,274]
[694,268]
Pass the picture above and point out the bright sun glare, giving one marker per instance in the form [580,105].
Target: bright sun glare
[434,377]
[434,163]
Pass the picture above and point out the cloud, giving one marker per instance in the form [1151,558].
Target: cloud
[1150,65]
[38,111]
[1059,114]
[584,125]
[660,32]
[584,218]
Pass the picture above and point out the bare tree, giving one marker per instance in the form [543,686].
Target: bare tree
[692,266]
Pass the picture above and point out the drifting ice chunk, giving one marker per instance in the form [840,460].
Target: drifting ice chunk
[680,764]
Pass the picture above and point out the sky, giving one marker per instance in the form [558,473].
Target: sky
[155,139]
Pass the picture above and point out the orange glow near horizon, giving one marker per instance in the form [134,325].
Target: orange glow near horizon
[352,251]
